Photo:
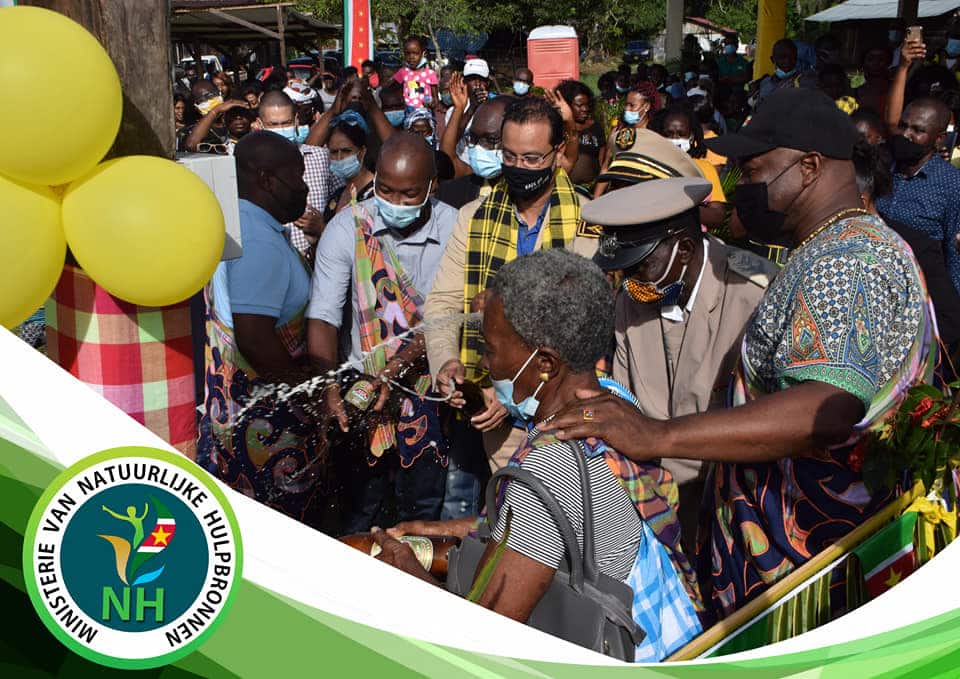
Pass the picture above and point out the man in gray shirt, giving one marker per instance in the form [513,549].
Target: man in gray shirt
[384,254]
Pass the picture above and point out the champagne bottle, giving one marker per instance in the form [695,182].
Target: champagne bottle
[473,395]
[431,551]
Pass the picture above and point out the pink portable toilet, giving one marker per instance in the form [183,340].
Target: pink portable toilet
[553,54]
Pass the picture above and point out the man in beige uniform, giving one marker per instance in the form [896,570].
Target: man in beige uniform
[536,207]
[682,309]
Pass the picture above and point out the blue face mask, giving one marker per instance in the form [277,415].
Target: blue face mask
[953,47]
[431,140]
[399,216]
[484,162]
[783,75]
[423,62]
[395,118]
[297,135]
[729,49]
[446,99]
[520,88]
[346,168]
[631,117]
[526,409]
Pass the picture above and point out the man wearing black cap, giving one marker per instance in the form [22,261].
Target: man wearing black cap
[840,335]
[685,302]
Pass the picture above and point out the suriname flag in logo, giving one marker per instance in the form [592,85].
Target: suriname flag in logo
[131,557]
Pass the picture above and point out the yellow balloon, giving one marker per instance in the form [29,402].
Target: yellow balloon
[147,230]
[32,248]
[60,113]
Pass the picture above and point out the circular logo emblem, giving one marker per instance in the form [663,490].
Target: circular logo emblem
[625,138]
[131,557]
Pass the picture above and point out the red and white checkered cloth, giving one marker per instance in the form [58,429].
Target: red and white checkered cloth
[138,358]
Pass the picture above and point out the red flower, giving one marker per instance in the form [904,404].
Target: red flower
[935,417]
[916,415]
[855,458]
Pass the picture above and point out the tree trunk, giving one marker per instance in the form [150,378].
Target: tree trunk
[436,44]
[136,35]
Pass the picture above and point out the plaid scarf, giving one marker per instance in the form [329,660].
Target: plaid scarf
[653,492]
[389,305]
[492,242]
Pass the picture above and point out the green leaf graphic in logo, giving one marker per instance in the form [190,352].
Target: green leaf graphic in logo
[143,547]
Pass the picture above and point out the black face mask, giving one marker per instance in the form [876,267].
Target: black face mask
[904,151]
[763,225]
[292,201]
[524,183]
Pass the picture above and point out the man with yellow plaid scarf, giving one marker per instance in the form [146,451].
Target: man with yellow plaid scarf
[533,206]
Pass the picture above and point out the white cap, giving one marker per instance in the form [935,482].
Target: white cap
[694,91]
[299,92]
[476,67]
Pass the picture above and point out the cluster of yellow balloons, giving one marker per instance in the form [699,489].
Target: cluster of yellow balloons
[146,229]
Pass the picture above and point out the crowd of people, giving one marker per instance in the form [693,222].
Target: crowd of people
[716,286]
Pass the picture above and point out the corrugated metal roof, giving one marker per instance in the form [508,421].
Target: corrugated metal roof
[881,9]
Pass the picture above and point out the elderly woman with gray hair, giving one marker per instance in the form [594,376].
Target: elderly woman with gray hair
[547,319]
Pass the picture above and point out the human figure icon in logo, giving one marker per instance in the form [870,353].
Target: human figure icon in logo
[132,519]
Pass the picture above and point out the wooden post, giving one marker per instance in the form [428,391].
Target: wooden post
[674,36]
[283,42]
[907,10]
[136,35]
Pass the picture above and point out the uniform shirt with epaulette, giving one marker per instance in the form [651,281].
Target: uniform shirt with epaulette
[680,361]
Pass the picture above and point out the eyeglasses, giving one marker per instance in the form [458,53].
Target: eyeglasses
[487,142]
[213,148]
[528,160]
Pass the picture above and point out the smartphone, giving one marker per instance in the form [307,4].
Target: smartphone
[914,34]
[951,141]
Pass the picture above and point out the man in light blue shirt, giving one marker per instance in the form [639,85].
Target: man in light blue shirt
[270,278]
[374,266]
[256,335]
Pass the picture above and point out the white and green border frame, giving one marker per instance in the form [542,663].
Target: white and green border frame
[309,605]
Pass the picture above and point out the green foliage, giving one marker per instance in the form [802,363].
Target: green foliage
[426,16]
[482,578]
[922,438]
[603,25]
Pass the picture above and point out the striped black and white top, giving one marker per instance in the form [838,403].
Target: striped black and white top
[534,533]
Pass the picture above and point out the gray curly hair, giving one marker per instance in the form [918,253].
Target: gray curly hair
[555,298]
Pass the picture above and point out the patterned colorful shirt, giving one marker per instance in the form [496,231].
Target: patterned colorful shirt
[929,202]
[844,310]
[849,309]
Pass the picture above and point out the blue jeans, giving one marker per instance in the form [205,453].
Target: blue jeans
[386,493]
[462,495]
[467,472]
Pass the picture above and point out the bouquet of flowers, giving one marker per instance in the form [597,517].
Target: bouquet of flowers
[923,439]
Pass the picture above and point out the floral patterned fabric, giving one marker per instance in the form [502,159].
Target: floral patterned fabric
[271,453]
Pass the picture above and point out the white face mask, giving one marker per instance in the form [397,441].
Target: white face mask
[682,144]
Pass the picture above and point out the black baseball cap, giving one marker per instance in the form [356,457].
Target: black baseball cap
[793,118]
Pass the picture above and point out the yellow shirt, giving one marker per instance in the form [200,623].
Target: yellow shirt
[713,158]
[709,173]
